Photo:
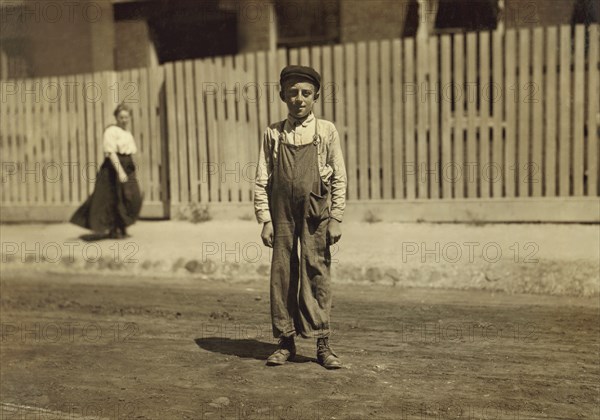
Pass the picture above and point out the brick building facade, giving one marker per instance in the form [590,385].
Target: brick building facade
[75,36]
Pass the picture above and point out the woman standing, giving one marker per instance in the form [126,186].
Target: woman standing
[116,201]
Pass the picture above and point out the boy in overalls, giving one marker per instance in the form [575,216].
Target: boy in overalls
[300,196]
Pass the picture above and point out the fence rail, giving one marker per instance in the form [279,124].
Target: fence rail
[483,115]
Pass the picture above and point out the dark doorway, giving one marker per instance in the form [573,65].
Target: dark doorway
[185,29]
[466,15]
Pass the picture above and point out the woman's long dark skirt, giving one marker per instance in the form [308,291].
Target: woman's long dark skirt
[113,204]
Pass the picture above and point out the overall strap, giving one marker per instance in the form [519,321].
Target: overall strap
[281,132]
[281,136]
[316,138]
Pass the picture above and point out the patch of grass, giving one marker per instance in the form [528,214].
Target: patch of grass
[371,217]
[194,213]
[474,221]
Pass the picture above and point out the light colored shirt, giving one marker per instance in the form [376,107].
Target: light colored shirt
[117,140]
[330,160]
[299,132]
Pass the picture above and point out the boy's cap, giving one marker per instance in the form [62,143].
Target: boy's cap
[304,72]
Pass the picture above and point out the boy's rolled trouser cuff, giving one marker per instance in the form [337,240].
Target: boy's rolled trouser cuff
[283,334]
[321,333]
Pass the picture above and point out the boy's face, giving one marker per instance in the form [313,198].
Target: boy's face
[299,95]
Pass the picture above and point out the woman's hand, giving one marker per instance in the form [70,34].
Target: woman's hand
[117,165]
[267,234]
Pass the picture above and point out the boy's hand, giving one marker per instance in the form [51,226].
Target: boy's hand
[267,234]
[334,231]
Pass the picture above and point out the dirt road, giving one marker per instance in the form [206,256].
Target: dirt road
[89,347]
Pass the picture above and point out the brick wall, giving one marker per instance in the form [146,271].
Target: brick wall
[376,19]
[62,37]
[524,13]
[256,25]
[133,44]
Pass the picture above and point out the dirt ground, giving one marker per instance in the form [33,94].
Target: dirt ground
[141,348]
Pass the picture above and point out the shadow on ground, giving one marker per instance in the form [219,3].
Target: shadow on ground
[96,236]
[245,348]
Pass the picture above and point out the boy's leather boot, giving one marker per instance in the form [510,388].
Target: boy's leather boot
[326,357]
[286,351]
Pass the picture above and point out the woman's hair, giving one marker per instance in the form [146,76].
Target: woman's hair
[122,107]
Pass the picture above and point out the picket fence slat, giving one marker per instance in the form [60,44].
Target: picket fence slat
[397,120]
[362,113]
[551,118]
[99,108]
[213,130]
[511,103]
[328,84]
[33,124]
[471,165]
[460,176]
[294,54]
[243,130]
[593,151]
[446,167]
[351,159]
[523,88]
[140,119]
[409,163]
[304,56]
[386,154]
[374,97]
[273,77]
[227,142]
[55,137]
[537,113]
[434,136]
[483,91]
[6,153]
[281,63]
[7,113]
[171,113]
[578,161]
[254,132]
[191,138]
[422,164]
[565,111]
[202,149]
[159,130]
[497,96]
[339,97]
[261,77]
[316,54]
[61,106]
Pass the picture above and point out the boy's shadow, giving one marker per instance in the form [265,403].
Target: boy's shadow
[244,348]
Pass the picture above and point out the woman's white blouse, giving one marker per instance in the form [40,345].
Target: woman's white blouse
[118,140]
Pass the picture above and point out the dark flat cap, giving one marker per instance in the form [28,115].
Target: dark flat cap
[303,72]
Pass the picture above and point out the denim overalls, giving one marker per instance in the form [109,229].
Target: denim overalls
[299,205]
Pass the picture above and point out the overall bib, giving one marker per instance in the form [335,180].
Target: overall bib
[299,203]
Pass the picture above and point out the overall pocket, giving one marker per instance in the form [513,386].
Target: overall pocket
[318,205]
